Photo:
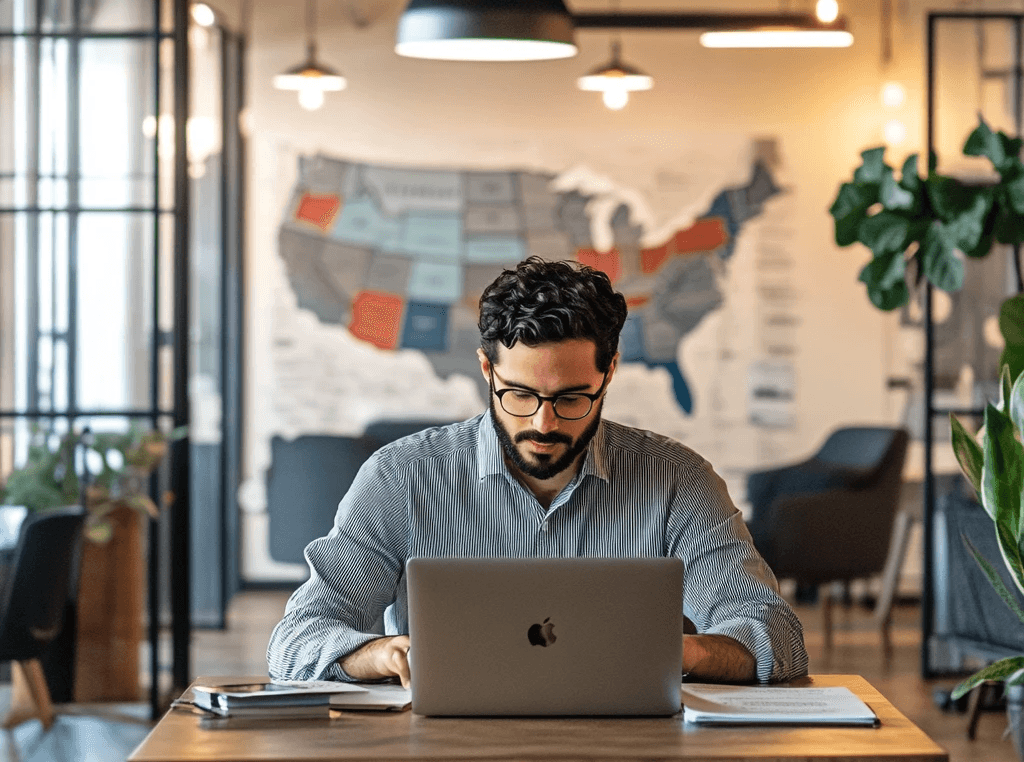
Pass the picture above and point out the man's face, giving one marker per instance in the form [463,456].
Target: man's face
[543,445]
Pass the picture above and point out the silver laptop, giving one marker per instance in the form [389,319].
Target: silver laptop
[545,636]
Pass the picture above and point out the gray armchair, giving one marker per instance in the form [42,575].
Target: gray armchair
[830,518]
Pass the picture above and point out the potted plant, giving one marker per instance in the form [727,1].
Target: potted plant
[114,485]
[923,228]
[995,468]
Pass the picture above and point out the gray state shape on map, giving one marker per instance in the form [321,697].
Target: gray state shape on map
[313,290]
[489,188]
[463,341]
[388,273]
[686,291]
[553,244]
[541,218]
[321,174]
[573,219]
[484,219]
[478,277]
[346,266]
[626,237]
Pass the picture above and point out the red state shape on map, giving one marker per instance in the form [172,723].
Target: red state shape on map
[609,262]
[706,234]
[320,210]
[377,318]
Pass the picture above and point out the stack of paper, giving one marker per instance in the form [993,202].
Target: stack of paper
[761,705]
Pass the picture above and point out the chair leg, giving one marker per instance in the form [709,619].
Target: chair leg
[891,574]
[825,594]
[30,698]
[979,694]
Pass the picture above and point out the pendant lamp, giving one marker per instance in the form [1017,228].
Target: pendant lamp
[486,30]
[615,80]
[310,78]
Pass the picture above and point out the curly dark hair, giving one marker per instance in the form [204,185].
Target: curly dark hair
[541,301]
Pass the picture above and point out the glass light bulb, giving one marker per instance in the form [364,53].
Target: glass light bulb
[615,98]
[827,11]
[203,14]
[311,98]
[893,94]
[895,132]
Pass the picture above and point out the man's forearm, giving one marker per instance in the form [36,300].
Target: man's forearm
[718,658]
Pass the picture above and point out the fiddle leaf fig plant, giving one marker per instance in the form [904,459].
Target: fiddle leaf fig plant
[995,468]
[928,225]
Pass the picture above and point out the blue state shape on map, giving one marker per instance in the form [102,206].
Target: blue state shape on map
[435,282]
[679,386]
[360,221]
[493,249]
[426,327]
[437,236]
[631,339]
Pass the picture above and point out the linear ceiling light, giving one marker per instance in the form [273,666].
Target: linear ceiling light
[733,30]
[485,30]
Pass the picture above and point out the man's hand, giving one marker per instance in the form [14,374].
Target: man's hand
[383,657]
[718,658]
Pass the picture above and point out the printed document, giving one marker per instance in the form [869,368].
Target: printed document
[764,705]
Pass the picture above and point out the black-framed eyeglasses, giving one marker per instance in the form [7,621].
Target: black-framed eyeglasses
[570,406]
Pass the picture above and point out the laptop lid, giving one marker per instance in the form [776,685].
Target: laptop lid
[578,636]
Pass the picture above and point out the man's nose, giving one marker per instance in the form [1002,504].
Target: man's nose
[545,420]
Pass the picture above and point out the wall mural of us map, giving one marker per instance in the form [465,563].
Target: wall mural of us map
[400,256]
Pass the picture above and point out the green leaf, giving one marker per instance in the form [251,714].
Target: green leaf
[949,197]
[967,228]
[1002,481]
[939,262]
[894,196]
[1004,389]
[984,142]
[884,233]
[1012,357]
[1008,227]
[1011,319]
[908,175]
[994,579]
[999,670]
[1017,403]
[884,277]
[1014,191]
[968,452]
[850,208]
[873,167]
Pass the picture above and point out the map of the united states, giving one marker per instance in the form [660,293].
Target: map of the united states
[400,256]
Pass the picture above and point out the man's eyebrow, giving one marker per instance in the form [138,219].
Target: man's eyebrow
[528,388]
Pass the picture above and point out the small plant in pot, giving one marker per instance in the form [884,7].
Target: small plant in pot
[995,468]
[49,477]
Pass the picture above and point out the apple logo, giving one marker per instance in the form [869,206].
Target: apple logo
[542,634]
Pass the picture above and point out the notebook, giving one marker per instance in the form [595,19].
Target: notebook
[545,636]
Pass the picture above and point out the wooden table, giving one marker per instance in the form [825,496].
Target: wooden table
[182,736]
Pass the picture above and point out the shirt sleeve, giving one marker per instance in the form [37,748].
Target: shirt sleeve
[354,573]
[728,588]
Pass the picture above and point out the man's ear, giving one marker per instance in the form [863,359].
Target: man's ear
[485,365]
[611,368]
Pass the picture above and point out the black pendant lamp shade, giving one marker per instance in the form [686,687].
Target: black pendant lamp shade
[486,30]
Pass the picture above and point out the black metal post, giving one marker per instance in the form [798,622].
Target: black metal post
[153,525]
[928,572]
[180,582]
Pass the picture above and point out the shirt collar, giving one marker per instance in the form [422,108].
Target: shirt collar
[491,461]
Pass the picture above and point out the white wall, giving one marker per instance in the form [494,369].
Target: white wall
[823,108]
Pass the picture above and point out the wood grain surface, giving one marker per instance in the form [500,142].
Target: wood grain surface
[182,736]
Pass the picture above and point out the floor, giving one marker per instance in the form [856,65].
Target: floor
[103,733]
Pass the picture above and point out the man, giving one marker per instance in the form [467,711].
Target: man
[540,474]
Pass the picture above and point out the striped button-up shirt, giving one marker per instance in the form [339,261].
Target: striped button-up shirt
[447,492]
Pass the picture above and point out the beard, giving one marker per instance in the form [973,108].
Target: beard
[542,465]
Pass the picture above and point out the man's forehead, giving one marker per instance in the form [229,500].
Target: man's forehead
[575,356]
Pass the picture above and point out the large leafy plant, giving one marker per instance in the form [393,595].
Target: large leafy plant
[995,467]
[924,227]
[49,477]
